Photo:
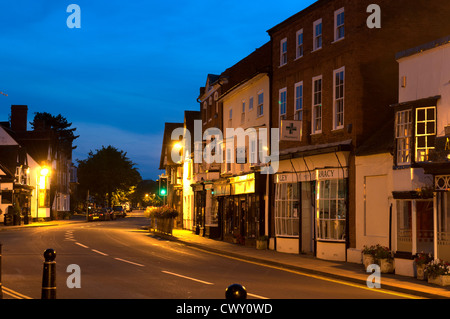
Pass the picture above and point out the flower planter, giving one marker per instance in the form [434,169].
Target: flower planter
[261,244]
[420,270]
[441,280]
[386,265]
[368,259]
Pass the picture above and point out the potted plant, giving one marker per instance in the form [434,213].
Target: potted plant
[438,272]
[421,260]
[385,259]
[261,242]
[368,255]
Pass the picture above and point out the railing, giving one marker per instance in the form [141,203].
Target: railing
[162,225]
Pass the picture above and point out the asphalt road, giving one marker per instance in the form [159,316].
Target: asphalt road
[118,260]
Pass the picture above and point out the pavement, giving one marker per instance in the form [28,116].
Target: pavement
[344,272]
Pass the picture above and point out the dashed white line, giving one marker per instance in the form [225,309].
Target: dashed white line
[185,277]
[99,252]
[130,262]
[84,246]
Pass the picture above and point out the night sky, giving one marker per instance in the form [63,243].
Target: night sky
[132,65]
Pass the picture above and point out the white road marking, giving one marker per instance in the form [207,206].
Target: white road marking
[256,296]
[185,277]
[99,252]
[130,262]
[84,246]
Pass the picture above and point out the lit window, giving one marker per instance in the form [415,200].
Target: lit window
[339,98]
[317,105]
[331,209]
[403,133]
[425,132]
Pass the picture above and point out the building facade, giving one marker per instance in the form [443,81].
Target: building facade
[421,158]
[333,73]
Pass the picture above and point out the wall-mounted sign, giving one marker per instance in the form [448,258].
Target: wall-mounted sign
[291,130]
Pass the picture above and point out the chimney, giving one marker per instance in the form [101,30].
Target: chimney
[19,118]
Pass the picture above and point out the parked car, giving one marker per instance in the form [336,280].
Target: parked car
[118,211]
[93,215]
[105,214]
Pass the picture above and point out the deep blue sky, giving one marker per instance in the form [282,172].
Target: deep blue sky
[132,65]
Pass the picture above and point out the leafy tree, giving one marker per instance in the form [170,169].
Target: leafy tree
[60,126]
[107,171]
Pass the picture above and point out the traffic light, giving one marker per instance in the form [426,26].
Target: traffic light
[163,186]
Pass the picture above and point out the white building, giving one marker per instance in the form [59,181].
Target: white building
[421,175]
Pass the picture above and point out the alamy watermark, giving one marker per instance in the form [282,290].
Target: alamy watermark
[235,140]
[74,279]
[374,280]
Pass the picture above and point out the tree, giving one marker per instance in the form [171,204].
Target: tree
[60,126]
[106,172]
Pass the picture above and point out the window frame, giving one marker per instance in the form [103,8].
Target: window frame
[316,106]
[425,135]
[283,53]
[282,93]
[337,27]
[336,99]
[260,106]
[323,222]
[286,222]
[298,100]
[299,46]
[317,36]
[406,128]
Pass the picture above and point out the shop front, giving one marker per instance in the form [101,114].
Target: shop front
[243,209]
[311,212]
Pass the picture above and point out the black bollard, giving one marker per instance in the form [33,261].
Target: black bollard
[236,291]
[49,275]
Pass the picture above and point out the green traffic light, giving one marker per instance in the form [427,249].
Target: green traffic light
[163,192]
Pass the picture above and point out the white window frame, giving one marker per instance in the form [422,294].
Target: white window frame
[298,100]
[403,135]
[338,97]
[316,36]
[283,52]
[299,46]
[282,103]
[327,224]
[260,107]
[286,201]
[250,103]
[317,108]
[423,157]
[339,27]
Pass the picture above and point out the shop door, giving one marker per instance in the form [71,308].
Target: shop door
[424,217]
[243,217]
[307,232]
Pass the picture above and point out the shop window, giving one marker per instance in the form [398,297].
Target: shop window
[331,209]
[287,210]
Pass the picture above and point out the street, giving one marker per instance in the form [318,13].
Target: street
[119,260]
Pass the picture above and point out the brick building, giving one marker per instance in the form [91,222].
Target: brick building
[332,77]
